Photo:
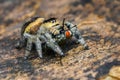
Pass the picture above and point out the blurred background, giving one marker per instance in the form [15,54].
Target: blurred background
[15,11]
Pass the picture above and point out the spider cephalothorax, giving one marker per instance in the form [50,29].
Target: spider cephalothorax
[51,31]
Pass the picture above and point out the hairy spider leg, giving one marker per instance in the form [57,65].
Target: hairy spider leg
[39,47]
[28,48]
[21,43]
[52,44]
[76,34]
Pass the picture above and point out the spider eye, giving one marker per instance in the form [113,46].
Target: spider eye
[53,21]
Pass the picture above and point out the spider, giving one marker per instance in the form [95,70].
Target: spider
[49,32]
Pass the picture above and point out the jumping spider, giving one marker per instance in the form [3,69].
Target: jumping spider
[49,32]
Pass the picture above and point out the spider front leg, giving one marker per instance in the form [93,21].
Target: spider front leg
[76,34]
[53,45]
[80,39]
